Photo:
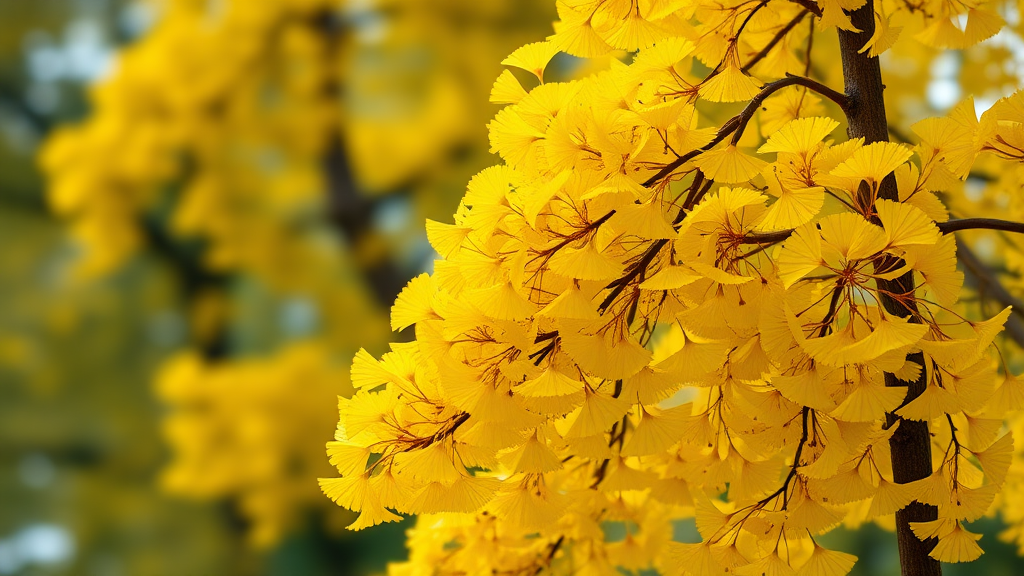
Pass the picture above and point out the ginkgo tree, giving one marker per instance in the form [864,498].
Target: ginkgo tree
[688,292]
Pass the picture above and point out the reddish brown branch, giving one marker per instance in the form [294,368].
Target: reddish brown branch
[738,123]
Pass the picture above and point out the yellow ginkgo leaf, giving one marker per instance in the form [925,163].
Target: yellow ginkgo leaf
[806,388]
[970,504]
[663,115]
[729,85]
[787,105]
[574,34]
[884,36]
[368,373]
[551,382]
[538,196]
[982,24]
[507,89]
[634,32]
[698,559]
[942,33]
[995,460]
[372,514]
[771,563]
[533,58]
[598,413]
[501,301]
[793,208]
[958,545]
[933,402]
[349,492]
[663,54]
[347,457]
[1009,395]
[490,186]
[934,528]
[833,16]
[645,220]
[433,463]
[585,263]
[533,457]
[572,304]
[938,265]
[529,509]
[414,303]
[656,431]
[905,225]
[799,136]
[512,136]
[392,492]
[890,497]
[609,355]
[869,400]
[952,137]
[873,162]
[844,487]
[800,254]
[853,237]
[365,410]
[467,494]
[885,336]
[446,239]
[622,477]
[824,562]
[728,165]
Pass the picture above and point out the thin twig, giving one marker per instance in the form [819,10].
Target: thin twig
[775,40]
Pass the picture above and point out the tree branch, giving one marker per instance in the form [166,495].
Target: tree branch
[738,123]
[843,101]
[766,237]
[775,40]
[944,227]
[981,224]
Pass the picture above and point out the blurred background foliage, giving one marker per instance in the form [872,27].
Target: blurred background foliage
[205,209]
[239,190]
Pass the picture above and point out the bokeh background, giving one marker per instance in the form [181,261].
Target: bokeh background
[206,208]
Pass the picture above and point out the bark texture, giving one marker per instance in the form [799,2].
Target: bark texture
[911,444]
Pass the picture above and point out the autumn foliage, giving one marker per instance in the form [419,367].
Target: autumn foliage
[662,305]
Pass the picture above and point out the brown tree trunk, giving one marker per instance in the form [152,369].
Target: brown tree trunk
[911,444]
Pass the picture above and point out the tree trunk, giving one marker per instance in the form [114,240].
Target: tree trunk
[911,444]
[350,212]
